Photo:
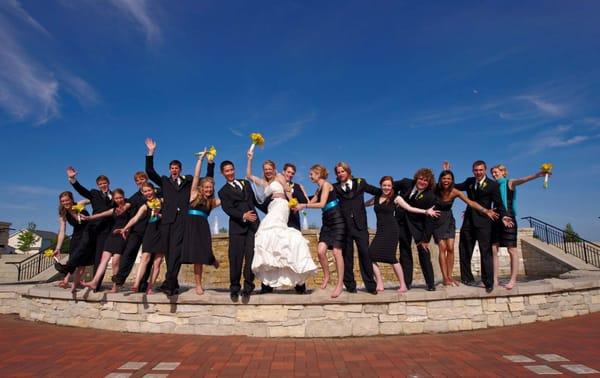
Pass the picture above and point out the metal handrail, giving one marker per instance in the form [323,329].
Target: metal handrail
[580,248]
[31,266]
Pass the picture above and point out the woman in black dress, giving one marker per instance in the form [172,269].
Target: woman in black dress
[385,242]
[503,236]
[152,244]
[115,242]
[333,229]
[444,227]
[197,241]
[80,240]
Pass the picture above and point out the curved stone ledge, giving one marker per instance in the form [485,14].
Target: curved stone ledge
[315,315]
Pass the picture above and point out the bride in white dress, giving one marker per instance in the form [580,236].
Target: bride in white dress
[281,254]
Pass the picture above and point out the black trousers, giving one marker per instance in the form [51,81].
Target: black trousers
[134,242]
[172,235]
[469,234]
[361,237]
[241,253]
[406,258]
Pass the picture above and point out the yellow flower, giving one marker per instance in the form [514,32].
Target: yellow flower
[546,167]
[211,153]
[154,204]
[293,203]
[78,207]
[257,139]
[49,253]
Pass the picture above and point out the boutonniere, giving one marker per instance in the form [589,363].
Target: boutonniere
[484,185]
[420,196]
[291,184]
[358,180]
[182,177]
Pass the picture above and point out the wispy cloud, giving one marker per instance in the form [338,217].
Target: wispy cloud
[557,137]
[27,89]
[30,190]
[236,132]
[291,130]
[14,7]
[138,12]
[80,89]
[545,106]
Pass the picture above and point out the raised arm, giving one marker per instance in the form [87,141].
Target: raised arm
[516,182]
[152,174]
[370,202]
[429,212]
[196,180]
[372,190]
[249,176]
[72,176]
[104,214]
[210,168]
[487,212]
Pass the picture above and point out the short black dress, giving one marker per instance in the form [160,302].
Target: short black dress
[115,243]
[333,229]
[80,241]
[444,227]
[502,235]
[197,241]
[385,243]
[152,241]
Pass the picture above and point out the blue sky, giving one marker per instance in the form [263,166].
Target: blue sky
[388,86]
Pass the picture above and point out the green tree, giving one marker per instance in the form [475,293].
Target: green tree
[27,238]
[570,235]
[223,230]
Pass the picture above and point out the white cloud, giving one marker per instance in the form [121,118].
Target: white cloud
[80,89]
[235,132]
[28,91]
[557,137]
[545,106]
[291,130]
[30,190]
[138,12]
[15,8]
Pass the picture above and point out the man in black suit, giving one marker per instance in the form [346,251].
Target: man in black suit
[176,190]
[135,237]
[350,192]
[418,193]
[477,226]
[238,202]
[101,200]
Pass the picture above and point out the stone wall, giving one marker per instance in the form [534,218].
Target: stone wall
[315,315]
[219,278]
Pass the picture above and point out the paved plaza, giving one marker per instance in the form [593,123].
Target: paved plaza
[567,347]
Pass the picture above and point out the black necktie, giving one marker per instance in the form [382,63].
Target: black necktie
[237,185]
[347,187]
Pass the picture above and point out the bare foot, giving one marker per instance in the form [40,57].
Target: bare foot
[448,282]
[402,289]
[455,283]
[325,282]
[216,264]
[89,284]
[379,288]
[63,284]
[510,285]
[149,292]
[114,289]
[135,289]
[199,290]
[336,293]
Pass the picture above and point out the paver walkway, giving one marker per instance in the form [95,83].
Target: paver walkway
[569,347]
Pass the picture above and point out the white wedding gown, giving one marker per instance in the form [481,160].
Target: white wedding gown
[281,253]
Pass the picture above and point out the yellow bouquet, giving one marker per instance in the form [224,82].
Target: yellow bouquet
[154,206]
[293,203]
[546,168]
[257,139]
[50,253]
[211,153]
[78,208]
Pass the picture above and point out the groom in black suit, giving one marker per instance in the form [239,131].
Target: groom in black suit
[176,190]
[238,202]
[350,192]
[477,226]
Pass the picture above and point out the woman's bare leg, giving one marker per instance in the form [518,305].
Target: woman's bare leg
[514,267]
[400,275]
[450,261]
[322,253]
[339,264]
[496,262]
[198,278]
[155,271]
[144,260]
[100,271]
[115,269]
[444,263]
[378,278]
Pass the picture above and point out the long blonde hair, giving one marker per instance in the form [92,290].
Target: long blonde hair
[502,168]
[200,199]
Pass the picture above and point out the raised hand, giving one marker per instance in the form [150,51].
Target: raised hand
[71,173]
[250,154]
[446,165]
[151,145]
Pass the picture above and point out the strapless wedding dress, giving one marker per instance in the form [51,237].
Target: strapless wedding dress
[281,253]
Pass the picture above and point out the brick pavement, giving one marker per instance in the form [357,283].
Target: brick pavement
[41,350]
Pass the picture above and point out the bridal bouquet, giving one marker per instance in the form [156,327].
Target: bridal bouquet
[154,206]
[78,208]
[293,203]
[546,168]
[257,139]
[211,153]
[50,253]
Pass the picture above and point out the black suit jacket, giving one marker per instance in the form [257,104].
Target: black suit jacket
[402,188]
[176,197]
[235,203]
[487,196]
[423,200]
[294,218]
[98,200]
[352,202]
